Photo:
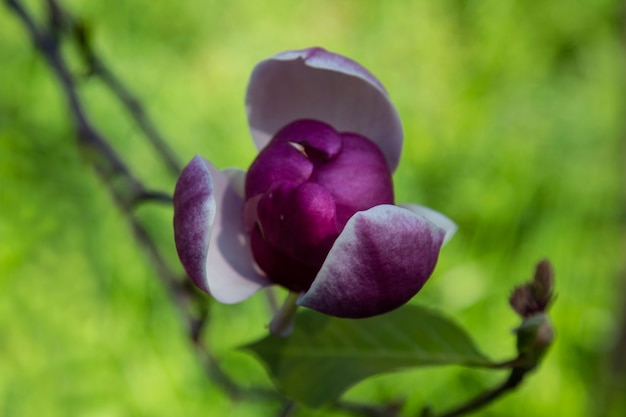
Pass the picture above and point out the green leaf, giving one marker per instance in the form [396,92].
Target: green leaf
[325,355]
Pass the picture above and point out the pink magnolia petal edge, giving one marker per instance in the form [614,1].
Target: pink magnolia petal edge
[317,57]
[209,235]
[380,261]
[317,84]
[435,217]
[194,216]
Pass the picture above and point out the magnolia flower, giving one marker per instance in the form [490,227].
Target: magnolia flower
[315,212]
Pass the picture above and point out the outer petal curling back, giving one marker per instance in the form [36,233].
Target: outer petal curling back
[317,84]
[194,216]
[380,261]
[207,210]
[435,217]
[320,58]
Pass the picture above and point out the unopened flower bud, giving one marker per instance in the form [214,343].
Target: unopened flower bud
[543,283]
[534,297]
[534,337]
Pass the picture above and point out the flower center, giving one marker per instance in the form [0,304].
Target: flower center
[300,192]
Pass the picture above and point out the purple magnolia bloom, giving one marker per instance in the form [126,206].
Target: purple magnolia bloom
[315,212]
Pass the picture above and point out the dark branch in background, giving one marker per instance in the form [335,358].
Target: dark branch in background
[515,378]
[127,191]
[530,301]
[125,188]
[61,21]
[133,106]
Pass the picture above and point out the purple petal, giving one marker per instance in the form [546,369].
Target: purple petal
[284,270]
[435,217]
[278,162]
[317,84]
[312,135]
[299,220]
[379,262]
[358,179]
[286,157]
[209,236]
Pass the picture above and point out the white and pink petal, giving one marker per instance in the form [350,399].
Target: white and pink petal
[317,84]
[435,217]
[209,233]
[382,259]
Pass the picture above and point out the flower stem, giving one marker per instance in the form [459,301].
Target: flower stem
[270,297]
[282,323]
[515,378]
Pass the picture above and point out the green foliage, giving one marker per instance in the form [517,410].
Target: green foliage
[326,355]
[513,113]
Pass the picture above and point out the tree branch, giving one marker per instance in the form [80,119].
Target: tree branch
[63,22]
[513,381]
[126,190]
[96,66]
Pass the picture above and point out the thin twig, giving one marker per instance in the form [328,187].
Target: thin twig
[288,409]
[389,410]
[134,108]
[126,190]
[96,66]
[154,197]
[515,378]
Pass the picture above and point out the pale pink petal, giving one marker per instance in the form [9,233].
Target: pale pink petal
[209,235]
[237,179]
[435,217]
[380,261]
[316,84]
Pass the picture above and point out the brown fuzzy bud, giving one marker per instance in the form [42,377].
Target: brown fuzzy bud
[521,300]
[543,283]
[534,297]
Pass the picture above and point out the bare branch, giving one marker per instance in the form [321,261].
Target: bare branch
[126,190]
[515,378]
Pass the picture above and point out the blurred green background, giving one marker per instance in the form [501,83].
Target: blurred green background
[514,119]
